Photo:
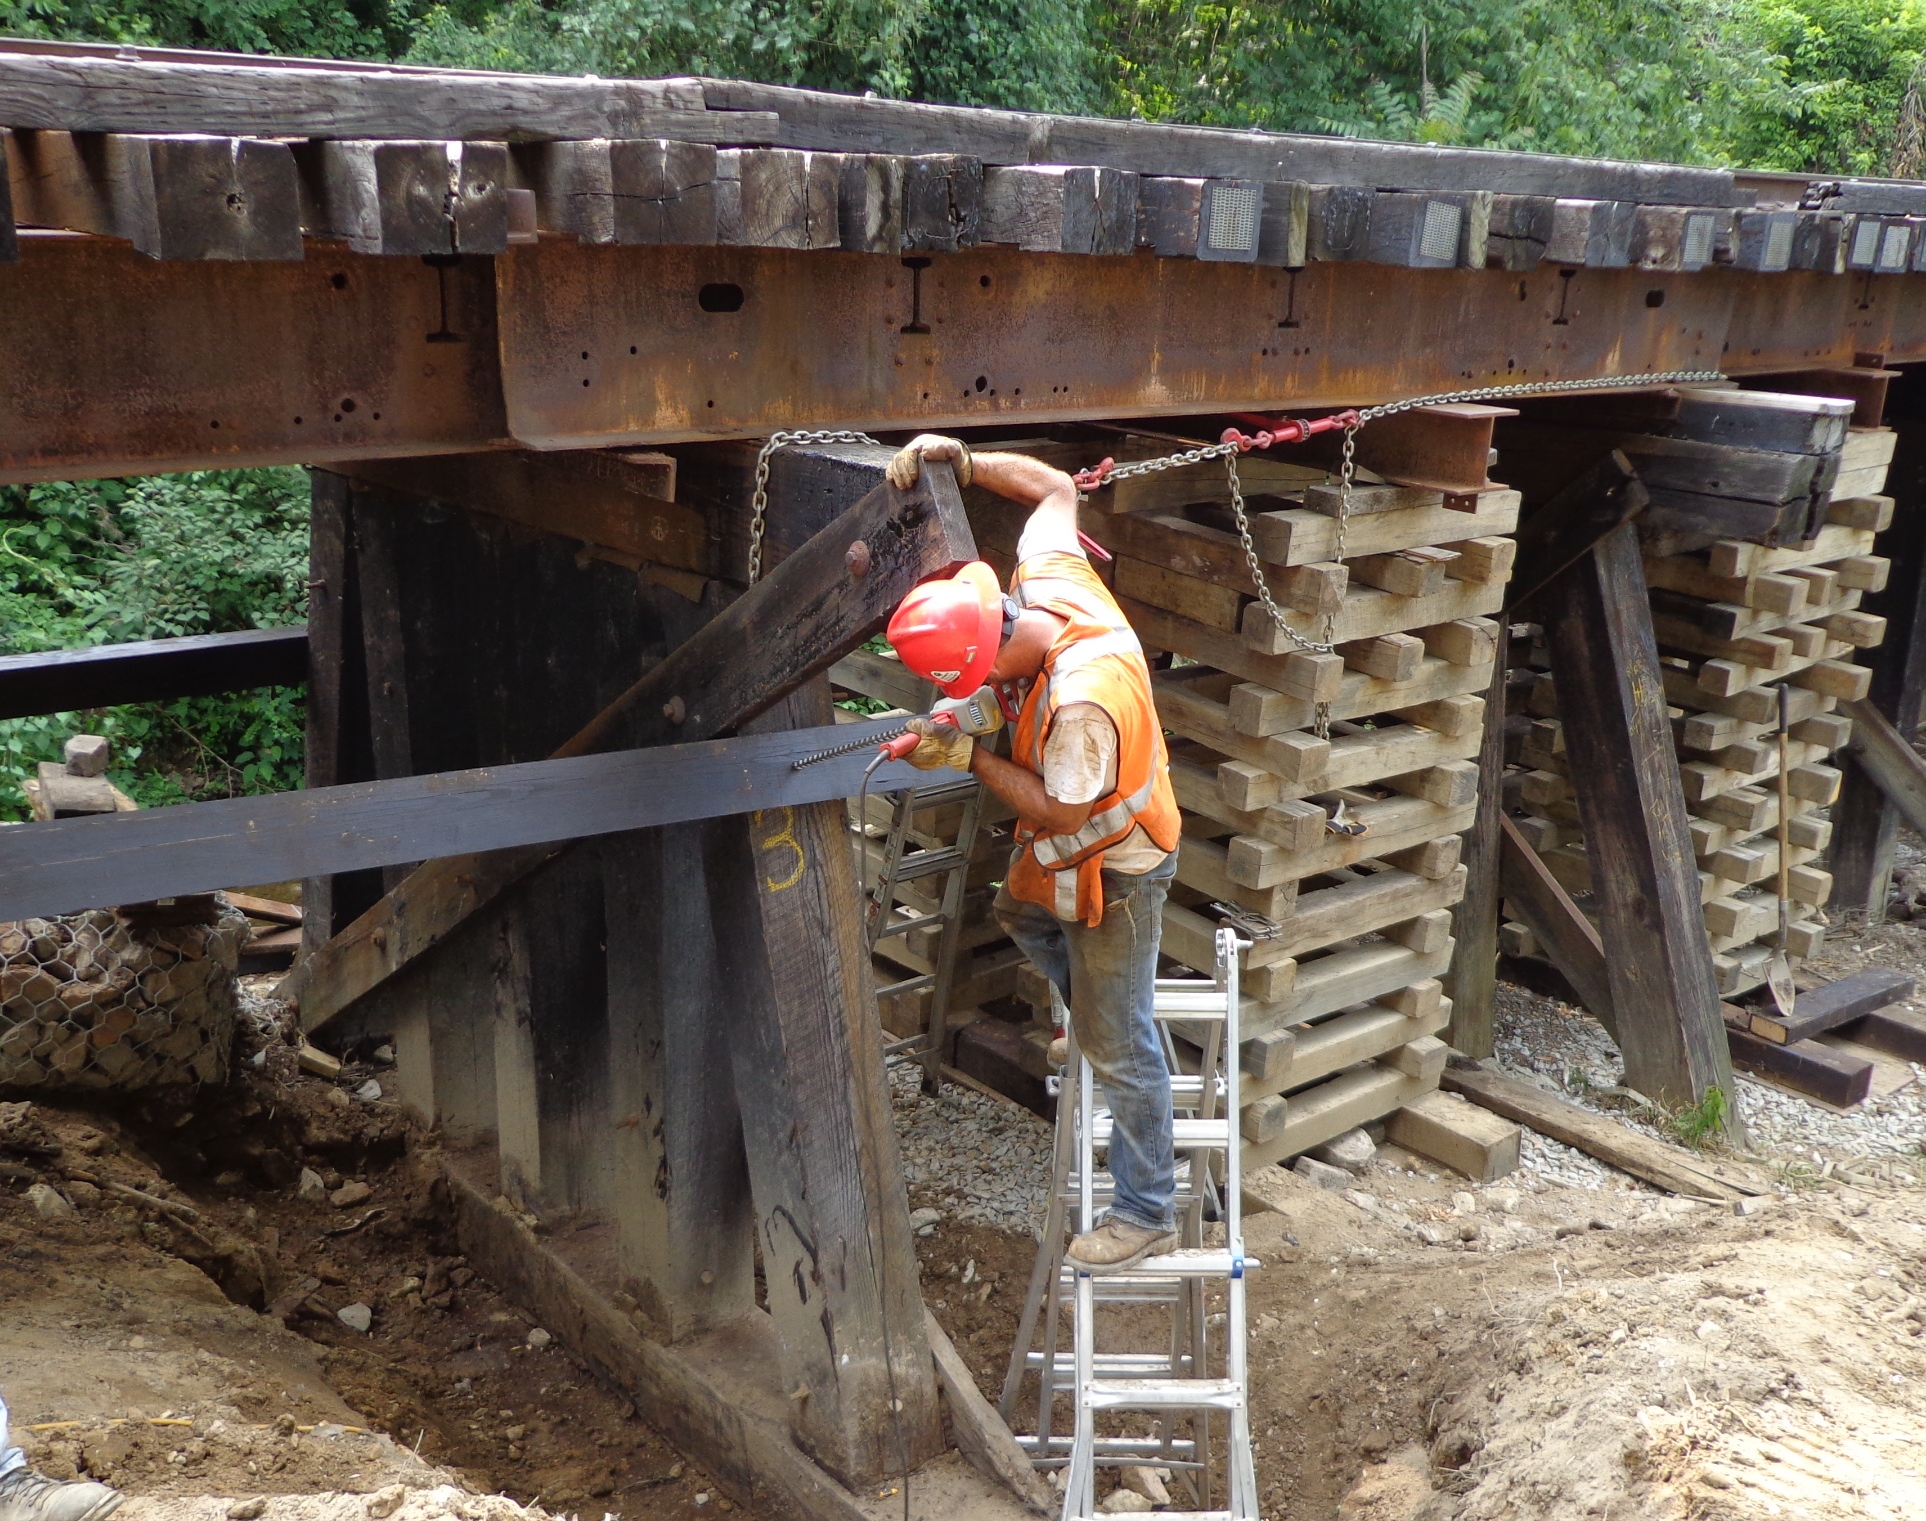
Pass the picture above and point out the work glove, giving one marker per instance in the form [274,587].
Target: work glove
[908,463]
[942,746]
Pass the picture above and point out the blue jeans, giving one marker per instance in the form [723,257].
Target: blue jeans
[11,1457]
[1108,978]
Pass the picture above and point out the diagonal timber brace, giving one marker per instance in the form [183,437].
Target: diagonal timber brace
[809,612]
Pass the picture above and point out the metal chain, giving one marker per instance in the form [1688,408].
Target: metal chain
[759,502]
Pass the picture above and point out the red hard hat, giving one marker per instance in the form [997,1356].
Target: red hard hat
[950,630]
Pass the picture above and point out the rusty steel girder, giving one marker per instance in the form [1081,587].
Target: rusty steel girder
[605,345]
[116,363]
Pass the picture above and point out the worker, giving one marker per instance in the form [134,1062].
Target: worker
[1096,819]
[29,1496]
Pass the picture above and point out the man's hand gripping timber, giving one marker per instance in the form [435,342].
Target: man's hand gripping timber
[908,464]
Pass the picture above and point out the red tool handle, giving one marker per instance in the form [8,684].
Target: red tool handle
[899,748]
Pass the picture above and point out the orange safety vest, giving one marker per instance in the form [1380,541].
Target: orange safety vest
[1099,660]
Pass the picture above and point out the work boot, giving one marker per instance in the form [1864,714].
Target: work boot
[29,1496]
[1057,1053]
[1111,1248]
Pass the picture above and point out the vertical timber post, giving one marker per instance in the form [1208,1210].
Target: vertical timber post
[1865,826]
[1473,980]
[1644,877]
[833,1220]
[681,1183]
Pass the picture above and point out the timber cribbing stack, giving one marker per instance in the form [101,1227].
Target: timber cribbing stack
[1733,621]
[1343,1003]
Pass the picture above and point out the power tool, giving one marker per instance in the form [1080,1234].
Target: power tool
[979,713]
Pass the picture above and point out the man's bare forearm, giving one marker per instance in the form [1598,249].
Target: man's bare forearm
[1029,483]
[1022,789]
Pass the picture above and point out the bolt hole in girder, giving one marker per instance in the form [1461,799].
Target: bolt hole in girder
[1655,298]
[720,296]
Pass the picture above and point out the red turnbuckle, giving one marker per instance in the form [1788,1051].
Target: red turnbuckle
[1089,480]
[1288,430]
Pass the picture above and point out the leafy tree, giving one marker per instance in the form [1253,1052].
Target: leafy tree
[314,28]
[1845,67]
[98,562]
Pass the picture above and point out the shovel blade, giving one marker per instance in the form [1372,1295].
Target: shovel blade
[1779,982]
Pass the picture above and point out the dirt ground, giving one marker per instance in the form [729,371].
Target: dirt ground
[1421,1348]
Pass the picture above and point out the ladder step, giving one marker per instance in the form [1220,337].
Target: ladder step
[904,926]
[928,862]
[1182,1515]
[1114,1365]
[1186,1134]
[1164,1394]
[1115,1448]
[1185,1262]
[1209,1004]
[945,792]
[908,985]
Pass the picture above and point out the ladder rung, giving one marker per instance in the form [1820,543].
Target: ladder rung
[909,1044]
[903,927]
[1114,1448]
[1194,1262]
[928,862]
[1208,1004]
[908,985]
[1163,1394]
[943,792]
[1185,1134]
[1114,1365]
[1181,1515]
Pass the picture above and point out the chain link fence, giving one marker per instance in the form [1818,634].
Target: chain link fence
[119,1000]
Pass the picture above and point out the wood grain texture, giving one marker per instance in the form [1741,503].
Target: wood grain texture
[683,1215]
[1619,755]
[1472,983]
[1663,1166]
[110,95]
[813,119]
[838,1260]
[797,622]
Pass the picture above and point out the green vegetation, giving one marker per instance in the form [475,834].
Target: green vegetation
[1814,86]
[100,562]
[1703,1122]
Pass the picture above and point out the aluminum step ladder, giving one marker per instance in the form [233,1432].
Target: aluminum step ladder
[901,865]
[1183,1380]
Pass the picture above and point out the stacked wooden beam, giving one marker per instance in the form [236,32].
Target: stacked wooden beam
[1342,992]
[1736,619]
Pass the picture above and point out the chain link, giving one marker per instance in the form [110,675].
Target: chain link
[759,502]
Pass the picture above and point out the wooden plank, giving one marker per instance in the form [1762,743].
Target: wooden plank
[1816,1010]
[1472,981]
[9,238]
[839,1264]
[1563,933]
[1059,209]
[1898,1032]
[1663,1166]
[1867,823]
[180,197]
[1891,763]
[1603,499]
[200,847]
[1335,1106]
[1368,612]
[573,183]
[613,499]
[664,191]
[420,198]
[1463,1136]
[796,622]
[1837,1077]
[716,1397]
[1663,989]
[846,124]
[981,1435]
[153,670]
[681,1203]
[105,94]
[1299,536]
